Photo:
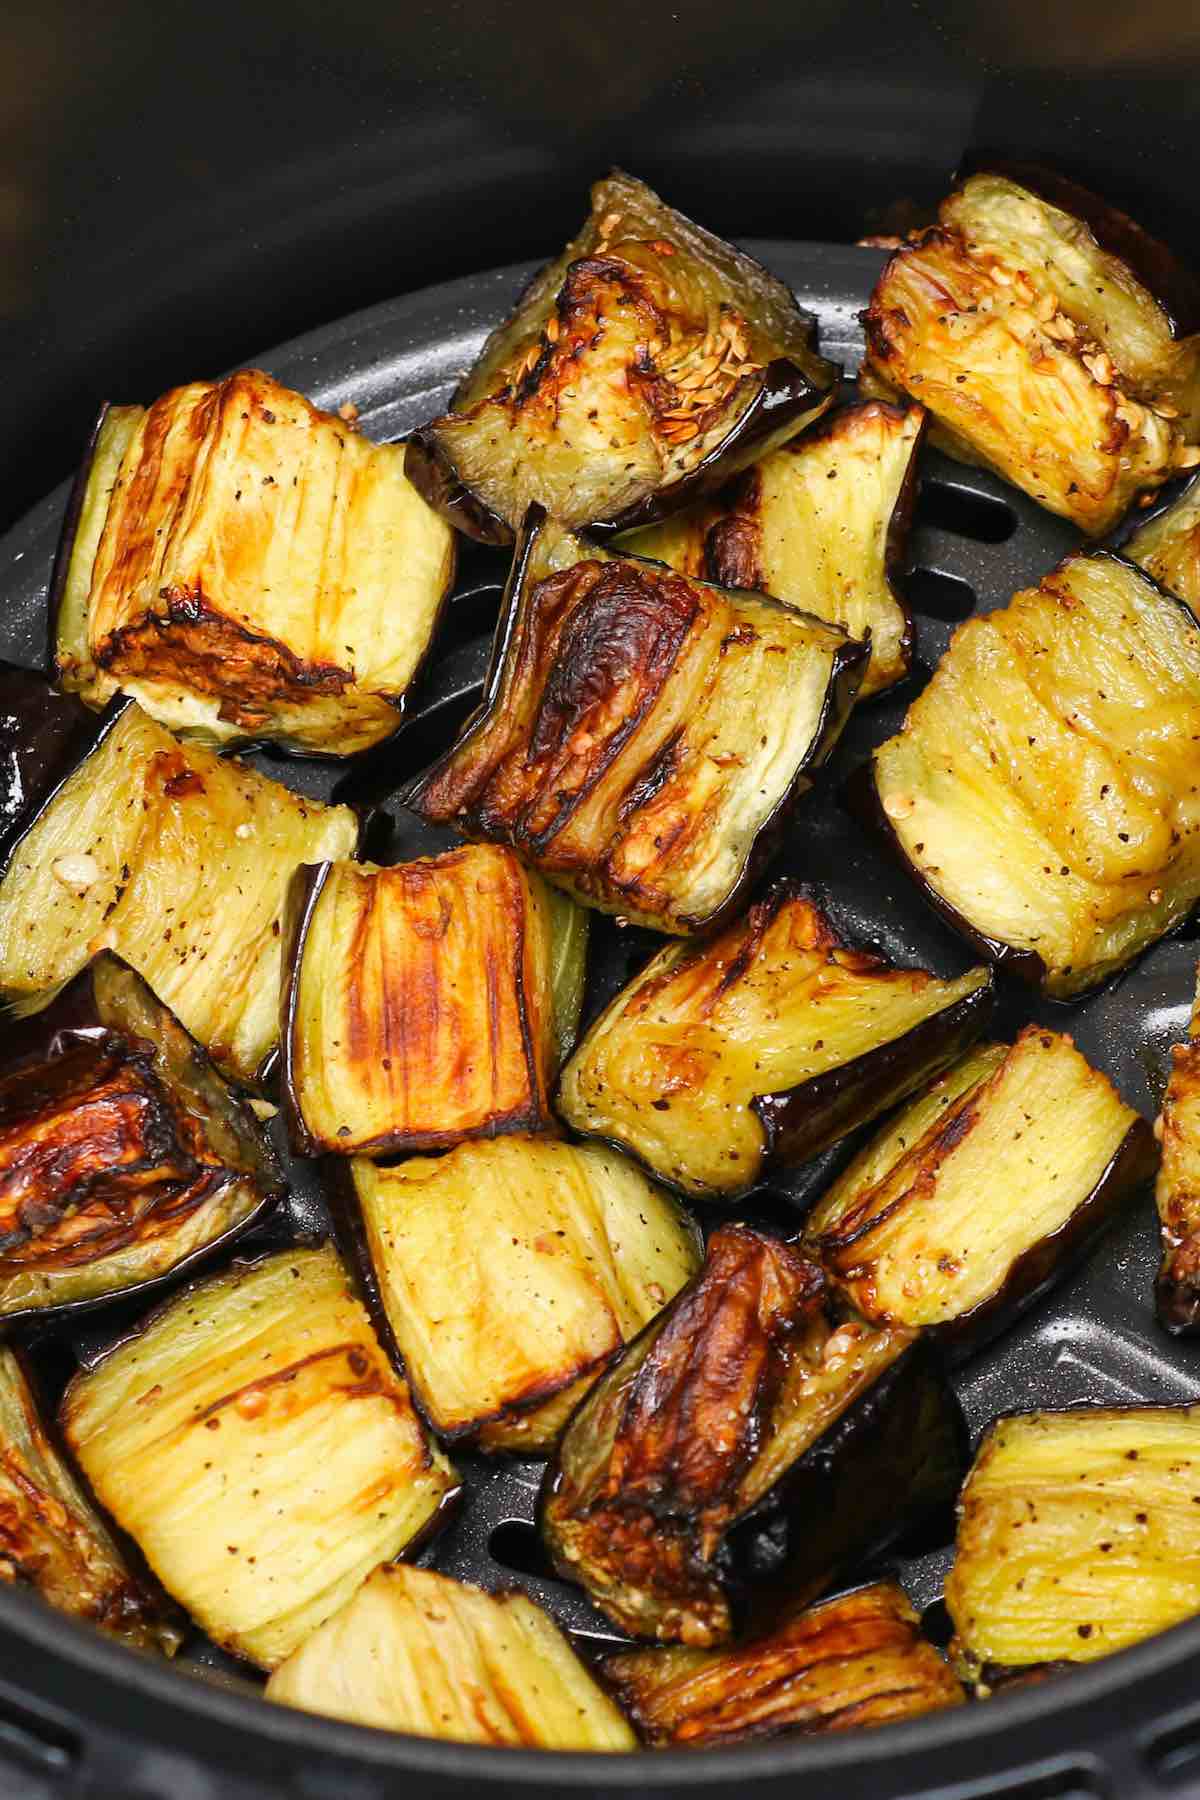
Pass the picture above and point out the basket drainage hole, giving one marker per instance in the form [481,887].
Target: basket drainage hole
[940,596]
[517,1546]
[1174,1751]
[967,514]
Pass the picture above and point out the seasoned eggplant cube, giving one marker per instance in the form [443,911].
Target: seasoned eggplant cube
[1078,1534]
[856,1660]
[254,1441]
[644,365]
[177,860]
[822,523]
[123,1154]
[761,1046]
[512,1272]
[1177,1290]
[248,567]
[642,736]
[1043,789]
[1038,352]
[748,1441]
[52,1539]
[979,1193]
[1167,545]
[417,1652]
[422,1008]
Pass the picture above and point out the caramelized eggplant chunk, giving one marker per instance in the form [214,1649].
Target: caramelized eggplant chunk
[981,1192]
[748,1436]
[248,568]
[856,1660]
[1167,544]
[510,1273]
[53,1540]
[426,1003]
[642,736]
[1043,790]
[1079,1533]
[255,1443]
[1038,351]
[642,367]
[762,1046]
[417,1652]
[823,524]
[1177,1289]
[177,860]
[123,1154]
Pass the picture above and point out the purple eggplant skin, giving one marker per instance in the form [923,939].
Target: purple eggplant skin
[303,894]
[437,481]
[43,735]
[1177,1303]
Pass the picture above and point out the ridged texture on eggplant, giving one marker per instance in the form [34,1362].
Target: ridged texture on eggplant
[122,1152]
[1043,790]
[761,1045]
[421,1005]
[1079,1533]
[1167,545]
[249,567]
[254,1441]
[511,1270]
[1177,1290]
[1037,352]
[53,1540]
[857,1660]
[640,732]
[417,1652]
[649,359]
[179,861]
[822,523]
[978,1192]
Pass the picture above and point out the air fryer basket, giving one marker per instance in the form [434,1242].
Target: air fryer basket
[82,1717]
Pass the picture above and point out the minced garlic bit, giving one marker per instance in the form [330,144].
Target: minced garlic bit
[244,830]
[899,806]
[79,870]
[262,1109]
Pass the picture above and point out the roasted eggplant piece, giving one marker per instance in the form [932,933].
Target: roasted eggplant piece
[254,1441]
[248,568]
[983,1191]
[1177,1289]
[1038,350]
[1043,789]
[822,523]
[417,1652]
[642,736]
[510,1273]
[642,367]
[124,1156]
[426,1003]
[1079,1533]
[174,858]
[750,1439]
[857,1660]
[762,1046]
[1167,544]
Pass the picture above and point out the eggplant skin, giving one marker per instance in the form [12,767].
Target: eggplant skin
[42,733]
[643,366]
[1177,1194]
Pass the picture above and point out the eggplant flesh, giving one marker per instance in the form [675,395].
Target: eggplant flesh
[248,568]
[417,1652]
[1177,1193]
[975,1196]
[857,1660]
[1079,1533]
[254,1441]
[646,363]
[1167,545]
[1036,351]
[760,1047]
[1042,790]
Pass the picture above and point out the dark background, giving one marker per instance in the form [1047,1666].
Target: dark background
[182,186]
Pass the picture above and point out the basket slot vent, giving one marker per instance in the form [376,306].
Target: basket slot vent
[940,596]
[951,507]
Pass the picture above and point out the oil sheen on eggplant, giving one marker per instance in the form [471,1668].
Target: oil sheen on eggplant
[1177,1288]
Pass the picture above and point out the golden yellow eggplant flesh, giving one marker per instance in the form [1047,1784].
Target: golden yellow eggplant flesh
[1177,1194]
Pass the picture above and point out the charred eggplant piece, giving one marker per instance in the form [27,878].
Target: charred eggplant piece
[249,569]
[1038,351]
[749,1440]
[510,1273]
[426,1003]
[641,368]
[857,1660]
[642,736]
[982,1192]
[175,859]
[124,1157]
[254,1441]
[762,1046]
[823,524]
[417,1652]
[1079,1533]
[1042,791]
[1177,1289]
